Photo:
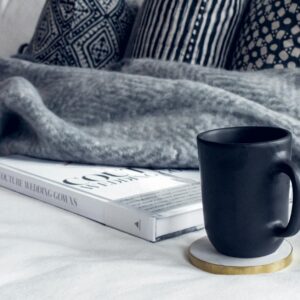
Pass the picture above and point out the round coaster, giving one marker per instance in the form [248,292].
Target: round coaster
[204,256]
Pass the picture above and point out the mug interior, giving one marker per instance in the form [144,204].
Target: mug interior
[244,135]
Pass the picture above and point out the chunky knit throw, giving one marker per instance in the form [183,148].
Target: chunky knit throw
[143,113]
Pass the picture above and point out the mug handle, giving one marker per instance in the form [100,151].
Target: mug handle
[290,169]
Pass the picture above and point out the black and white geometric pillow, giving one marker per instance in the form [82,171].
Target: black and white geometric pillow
[192,31]
[81,33]
[269,36]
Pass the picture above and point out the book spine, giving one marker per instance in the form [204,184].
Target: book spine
[105,212]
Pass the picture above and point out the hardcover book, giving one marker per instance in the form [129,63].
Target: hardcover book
[150,204]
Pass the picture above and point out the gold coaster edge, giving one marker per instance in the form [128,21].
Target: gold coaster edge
[236,270]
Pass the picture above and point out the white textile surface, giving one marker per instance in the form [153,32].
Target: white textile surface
[48,253]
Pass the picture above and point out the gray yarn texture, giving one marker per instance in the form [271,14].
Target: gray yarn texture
[142,113]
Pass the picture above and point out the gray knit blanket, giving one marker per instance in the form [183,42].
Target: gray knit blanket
[143,113]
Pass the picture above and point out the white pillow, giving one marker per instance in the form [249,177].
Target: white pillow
[18,19]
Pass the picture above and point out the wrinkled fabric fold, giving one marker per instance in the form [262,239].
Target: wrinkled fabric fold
[142,113]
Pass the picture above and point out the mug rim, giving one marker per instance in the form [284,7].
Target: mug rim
[287,135]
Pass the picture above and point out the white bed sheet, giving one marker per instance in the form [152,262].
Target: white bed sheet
[48,253]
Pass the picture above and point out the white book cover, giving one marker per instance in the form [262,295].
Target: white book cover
[152,204]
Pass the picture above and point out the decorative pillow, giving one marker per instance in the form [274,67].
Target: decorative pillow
[269,37]
[192,31]
[81,33]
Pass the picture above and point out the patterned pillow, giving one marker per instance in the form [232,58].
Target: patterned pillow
[269,37]
[81,33]
[192,31]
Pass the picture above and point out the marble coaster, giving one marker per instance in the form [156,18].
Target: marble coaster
[204,256]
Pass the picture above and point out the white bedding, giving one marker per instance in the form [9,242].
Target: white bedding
[48,253]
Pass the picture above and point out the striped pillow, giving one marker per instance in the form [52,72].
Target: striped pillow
[192,31]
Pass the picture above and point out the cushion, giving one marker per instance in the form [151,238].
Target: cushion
[17,23]
[269,36]
[81,33]
[197,32]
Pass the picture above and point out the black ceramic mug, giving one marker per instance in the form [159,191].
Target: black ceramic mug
[246,174]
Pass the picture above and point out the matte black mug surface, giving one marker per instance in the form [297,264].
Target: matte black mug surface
[246,173]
